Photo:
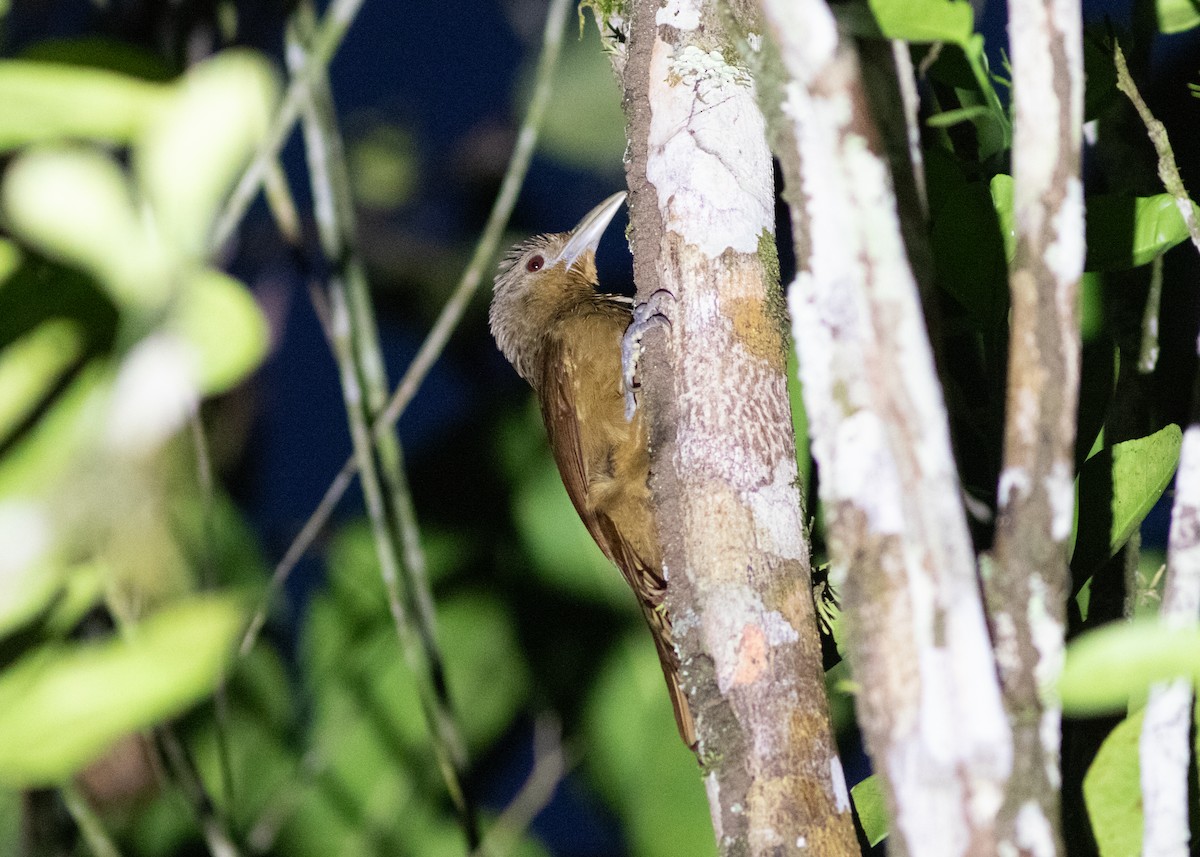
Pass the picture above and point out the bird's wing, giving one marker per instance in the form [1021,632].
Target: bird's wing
[559,411]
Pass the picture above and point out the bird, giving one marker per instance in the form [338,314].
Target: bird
[566,338]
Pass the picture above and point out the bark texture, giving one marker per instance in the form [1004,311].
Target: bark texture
[929,700]
[722,452]
[1164,746]
[1027,592]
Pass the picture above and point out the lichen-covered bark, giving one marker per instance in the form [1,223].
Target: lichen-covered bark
[929,700]
[1027,593]
[723,456]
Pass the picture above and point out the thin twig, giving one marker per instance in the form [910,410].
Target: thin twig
[177,760]
[550,765]
[282,204]
[1168,172]
[205,482]
[88,822]
[1148,356]
[447,321]
[906,77]
[328,38]
[364,385]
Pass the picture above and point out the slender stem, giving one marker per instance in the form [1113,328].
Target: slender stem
[1148,358]
[907,79]
[451,314]
[328,38]
[550,765]
[1168,172]
[89,822]
[360,361]
[177,760]
[205,483]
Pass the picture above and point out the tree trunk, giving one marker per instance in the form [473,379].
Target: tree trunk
[929,700]
[724,474]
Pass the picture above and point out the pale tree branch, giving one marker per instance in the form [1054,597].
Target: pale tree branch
[929,699]
[1164,745]
[1027,593]
[723,456]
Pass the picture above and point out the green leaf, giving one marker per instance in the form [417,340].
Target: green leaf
[1112,791]
[636,755]
[219,318]
[1002,198]
[48,450]
[75,205]
[12,815]
[10,259]
[63,705]
[188,158]
[1177,16]
[1107,667]
[1125,232]
[29,579]
[953,117]
[871,804]
[925,20]
[963,216]
[31,366]
[799,418]
[48,101]
[99,52]
[483,661]
[1118,487]
[485,669]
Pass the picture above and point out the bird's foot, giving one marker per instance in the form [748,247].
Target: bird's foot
[646,315]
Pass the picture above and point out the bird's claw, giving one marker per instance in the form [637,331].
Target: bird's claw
[645,316]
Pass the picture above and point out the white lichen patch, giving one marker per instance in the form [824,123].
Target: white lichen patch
[680,14]
[1064,255]
[841,794]
[1187,483]
[1034,834]
[775,508]
[1008,655]
[708,158]
[1047,633]
[806,33]
[1015,486]
[862,471]
[707,72]
[1060,492]
[712,789]
[1036,115]
[1050,737]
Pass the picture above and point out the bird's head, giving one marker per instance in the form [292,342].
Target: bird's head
[537,276]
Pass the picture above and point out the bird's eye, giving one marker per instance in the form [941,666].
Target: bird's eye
[535,263]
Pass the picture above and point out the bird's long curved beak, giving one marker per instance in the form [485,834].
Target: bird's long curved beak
[586,235]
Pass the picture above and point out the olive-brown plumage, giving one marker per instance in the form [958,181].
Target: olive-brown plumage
[564,338]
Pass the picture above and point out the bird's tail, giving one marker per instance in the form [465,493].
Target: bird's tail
[660,629]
